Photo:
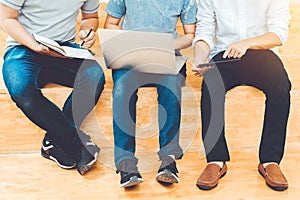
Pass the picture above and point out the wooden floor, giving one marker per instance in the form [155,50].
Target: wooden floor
[24,174]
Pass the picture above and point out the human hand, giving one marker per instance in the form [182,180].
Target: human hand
[39,48]
[200,71]
[237,49]
[87,37]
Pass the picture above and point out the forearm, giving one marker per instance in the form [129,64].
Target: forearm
[89,23]
[111,22]
[184,41]
[239,48]
[265,41]
[15,30]
[187,39]
[201,52]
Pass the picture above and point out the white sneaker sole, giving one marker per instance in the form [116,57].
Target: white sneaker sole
[59,164]
[132,182]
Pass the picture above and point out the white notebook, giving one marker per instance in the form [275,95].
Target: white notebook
[64,50]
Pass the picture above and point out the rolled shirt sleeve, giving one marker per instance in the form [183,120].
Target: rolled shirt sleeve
[15,4]
[206,22]
[116,8]
[189,11]
[278,17]
[90,6]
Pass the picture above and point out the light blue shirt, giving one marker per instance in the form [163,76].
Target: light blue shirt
[153,15]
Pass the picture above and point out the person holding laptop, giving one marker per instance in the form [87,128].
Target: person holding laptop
[150,16]
[29,65]
[230,29]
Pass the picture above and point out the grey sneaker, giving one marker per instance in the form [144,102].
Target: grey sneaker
[130,175]
[167,172]
[86,161]
[87,142]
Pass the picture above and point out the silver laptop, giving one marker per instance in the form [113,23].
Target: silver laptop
[147,52]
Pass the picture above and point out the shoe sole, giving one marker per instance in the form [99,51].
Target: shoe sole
[54,159]
[166,177]
[132,182]
[84,169]
[277,188]
[203,187]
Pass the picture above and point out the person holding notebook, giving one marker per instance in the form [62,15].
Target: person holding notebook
[29,65]
[151,16]
[230,29]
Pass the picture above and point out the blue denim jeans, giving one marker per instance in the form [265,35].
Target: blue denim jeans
[126,84]
[25,72]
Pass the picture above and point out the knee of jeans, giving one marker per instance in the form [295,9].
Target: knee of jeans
[24,102]
[17,90]
[123,91]
[95,74]
[172,91]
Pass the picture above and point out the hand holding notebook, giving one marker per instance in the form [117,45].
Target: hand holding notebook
[66,51]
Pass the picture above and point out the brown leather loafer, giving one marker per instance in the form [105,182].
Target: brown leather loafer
[273,176]
[211,176]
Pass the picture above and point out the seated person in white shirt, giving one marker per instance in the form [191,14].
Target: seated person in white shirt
[228,29]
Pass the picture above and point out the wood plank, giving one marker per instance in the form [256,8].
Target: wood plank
[25,174]
[28,176]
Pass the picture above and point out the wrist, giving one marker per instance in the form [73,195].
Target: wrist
[34,46]
[249,43]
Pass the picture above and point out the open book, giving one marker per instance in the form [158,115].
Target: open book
[67,51]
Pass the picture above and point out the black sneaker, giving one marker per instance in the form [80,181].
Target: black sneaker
[54,152]
[130,179]
[89,144]
[130,175]
[167,172]
[86,160]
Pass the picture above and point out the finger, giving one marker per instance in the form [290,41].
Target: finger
[236,54]
[200,71]
[197,70]
[91,36]
[90,39]
[194,67]
[44,48]
[231,53]
[242,53]
[197,74]
[89,43]
[81,35]
[225,55]
[194,73]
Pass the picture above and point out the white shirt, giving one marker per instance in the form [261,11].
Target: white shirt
[222,22]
